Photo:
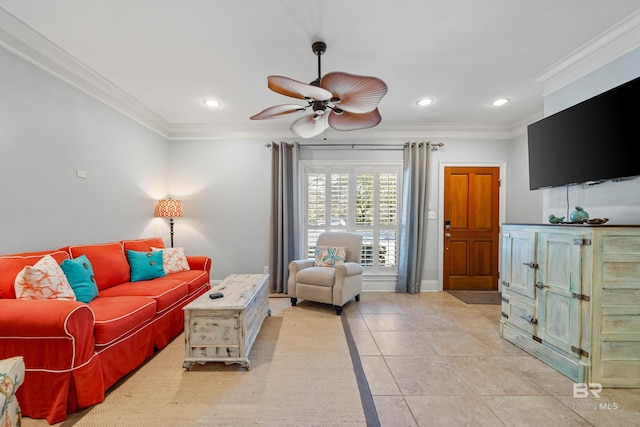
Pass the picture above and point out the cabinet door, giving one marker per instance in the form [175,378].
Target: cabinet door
[519,261]
[519,312]
[559,278]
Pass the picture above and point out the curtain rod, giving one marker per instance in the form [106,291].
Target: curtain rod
[434,146]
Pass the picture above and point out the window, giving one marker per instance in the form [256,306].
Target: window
[358,198]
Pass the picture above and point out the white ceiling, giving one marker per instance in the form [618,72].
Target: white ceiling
[157,60]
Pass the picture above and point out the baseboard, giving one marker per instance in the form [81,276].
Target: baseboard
[430,286]
[388,284]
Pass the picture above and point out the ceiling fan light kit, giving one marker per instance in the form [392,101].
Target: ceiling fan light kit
[338,100]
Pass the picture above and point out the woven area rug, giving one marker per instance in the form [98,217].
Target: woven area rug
[478,297]
[301,375]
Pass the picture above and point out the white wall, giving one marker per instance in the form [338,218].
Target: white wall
[48,130]
[620,202]
[523,204]
[224,186]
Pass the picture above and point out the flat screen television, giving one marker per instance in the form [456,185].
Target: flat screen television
[593,141]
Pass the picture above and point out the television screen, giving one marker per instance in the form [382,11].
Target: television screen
[595,140]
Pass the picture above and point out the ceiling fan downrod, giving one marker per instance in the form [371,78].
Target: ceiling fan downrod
[318,49]
[319,107]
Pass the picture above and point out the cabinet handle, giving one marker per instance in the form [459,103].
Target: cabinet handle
[530,319]
[540,285]
[531,264]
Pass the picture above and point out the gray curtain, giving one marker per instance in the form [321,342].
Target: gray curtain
[413,224]
[283,225]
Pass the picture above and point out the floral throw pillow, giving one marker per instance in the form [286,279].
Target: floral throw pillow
[327,256]
[173,260]
[43,280]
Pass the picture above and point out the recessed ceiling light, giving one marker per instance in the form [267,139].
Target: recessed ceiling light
[499,102]
[211,103]
[424,101]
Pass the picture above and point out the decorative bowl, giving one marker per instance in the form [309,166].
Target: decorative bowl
[596,221]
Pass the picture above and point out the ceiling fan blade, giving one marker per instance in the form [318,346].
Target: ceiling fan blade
[307,127]
[354,121]
[277,111]
[296,89]
[358,94]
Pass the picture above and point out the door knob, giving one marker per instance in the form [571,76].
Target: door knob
[447,234]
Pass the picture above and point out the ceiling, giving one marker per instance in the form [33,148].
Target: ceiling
[158,60]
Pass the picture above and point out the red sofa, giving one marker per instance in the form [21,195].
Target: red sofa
[74,351]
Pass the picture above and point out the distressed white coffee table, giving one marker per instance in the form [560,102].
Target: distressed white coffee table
[224,329]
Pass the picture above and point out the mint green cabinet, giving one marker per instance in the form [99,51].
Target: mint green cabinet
[571,298]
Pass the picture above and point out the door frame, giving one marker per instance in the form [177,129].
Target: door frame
[502,210]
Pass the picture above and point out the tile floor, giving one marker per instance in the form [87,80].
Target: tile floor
[432,360]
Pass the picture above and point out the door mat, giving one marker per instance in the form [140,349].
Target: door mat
[478,297]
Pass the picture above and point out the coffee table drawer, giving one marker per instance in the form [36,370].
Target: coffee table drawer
[213,335]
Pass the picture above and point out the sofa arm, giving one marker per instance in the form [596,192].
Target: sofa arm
[56,339]
[300,264]
[197,262]
[348,269]
[50,334]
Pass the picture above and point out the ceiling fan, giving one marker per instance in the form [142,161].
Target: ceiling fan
[338,100]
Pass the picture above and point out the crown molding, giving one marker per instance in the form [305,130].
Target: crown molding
[28,44]
[384,131]
[618,40]
[25,42]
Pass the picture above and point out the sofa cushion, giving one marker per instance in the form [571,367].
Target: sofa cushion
[194,279]
[11,265]
[173,259]
[81,277]
[43,280]
[145,265]
[143,245]
[321,276]
[164,292]
[117,316]
[108,260]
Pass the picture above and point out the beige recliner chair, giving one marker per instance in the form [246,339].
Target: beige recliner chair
[334,276]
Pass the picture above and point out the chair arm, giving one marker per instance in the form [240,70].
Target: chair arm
[300,264]
[348,269]
[294,267]
[198,262]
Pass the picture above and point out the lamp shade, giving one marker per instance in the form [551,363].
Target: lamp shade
[170,208]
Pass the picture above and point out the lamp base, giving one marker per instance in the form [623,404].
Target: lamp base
[171,230]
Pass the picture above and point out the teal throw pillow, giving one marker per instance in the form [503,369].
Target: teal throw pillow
[80,275]
[145,265]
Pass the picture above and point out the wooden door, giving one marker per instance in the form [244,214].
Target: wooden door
[471,215]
